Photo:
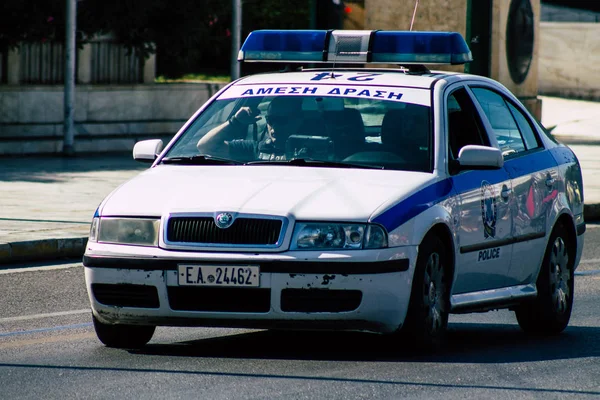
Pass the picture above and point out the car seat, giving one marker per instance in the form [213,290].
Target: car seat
[405,132]
[347,129]
[461,132]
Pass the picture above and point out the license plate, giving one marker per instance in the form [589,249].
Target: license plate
[218,275]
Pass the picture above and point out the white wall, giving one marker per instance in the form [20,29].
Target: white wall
[569,64]
[107,118]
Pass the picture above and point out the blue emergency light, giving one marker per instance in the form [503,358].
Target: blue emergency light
[342,46]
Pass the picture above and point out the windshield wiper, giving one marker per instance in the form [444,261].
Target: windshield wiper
[309,162]
[200,159]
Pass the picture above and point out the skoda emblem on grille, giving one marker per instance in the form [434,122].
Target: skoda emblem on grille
[224,220]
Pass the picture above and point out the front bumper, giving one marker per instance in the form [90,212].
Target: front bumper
[367,290]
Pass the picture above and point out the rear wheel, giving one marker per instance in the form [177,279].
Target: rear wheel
[427,319]
[550,311]
[123,336]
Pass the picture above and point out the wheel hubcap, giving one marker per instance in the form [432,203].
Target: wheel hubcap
[434,292]
[560,276]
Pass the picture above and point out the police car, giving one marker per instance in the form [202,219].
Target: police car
[343,198]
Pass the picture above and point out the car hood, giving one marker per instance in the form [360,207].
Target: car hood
[299,192]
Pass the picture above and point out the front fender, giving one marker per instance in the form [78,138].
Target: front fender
[412,232]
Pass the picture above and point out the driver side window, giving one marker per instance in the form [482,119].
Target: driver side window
[464,125]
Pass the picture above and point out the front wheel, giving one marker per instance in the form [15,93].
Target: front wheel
[550,311]
[427,318]
[123,336]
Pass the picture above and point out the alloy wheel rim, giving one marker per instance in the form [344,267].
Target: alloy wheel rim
[560,276]
[433,288]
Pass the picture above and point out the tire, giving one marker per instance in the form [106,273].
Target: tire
[550,311]
[123,336]
[427,318]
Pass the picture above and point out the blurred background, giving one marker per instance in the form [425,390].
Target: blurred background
[143,67]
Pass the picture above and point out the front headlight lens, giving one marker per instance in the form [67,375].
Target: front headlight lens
[94,230]
[376,237]
[135,231]
[316,235]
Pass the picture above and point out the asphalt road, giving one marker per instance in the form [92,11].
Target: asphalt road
[48,350]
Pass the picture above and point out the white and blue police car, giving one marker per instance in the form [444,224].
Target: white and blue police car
[343,198]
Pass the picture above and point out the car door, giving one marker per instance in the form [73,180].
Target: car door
[484,223]
[534,175]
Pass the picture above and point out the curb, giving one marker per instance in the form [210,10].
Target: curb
[577,140]
[42,250]
[591,212]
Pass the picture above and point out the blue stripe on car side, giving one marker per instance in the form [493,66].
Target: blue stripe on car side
[563,155]
[427,197]
[414,204]
[528,164]
[469,180]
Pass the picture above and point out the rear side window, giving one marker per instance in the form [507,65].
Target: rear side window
[529,137]
[511,127]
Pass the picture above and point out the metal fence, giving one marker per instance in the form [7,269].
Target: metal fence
[108,62]
[3,61]
[42,63]
[113,63]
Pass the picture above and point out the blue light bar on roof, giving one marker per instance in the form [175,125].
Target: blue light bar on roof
[340,46]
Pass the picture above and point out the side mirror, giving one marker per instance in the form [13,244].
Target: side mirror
[147,150]
[480,157]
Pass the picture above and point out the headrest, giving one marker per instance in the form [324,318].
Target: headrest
[322,104]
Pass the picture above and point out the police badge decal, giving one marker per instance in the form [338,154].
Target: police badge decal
[489,210]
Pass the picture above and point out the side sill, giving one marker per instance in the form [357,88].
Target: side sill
[492,299]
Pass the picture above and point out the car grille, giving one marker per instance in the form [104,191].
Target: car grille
[125,295]
[320,300]
[243,231]
[253,300]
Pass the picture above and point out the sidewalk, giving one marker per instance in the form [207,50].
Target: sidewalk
[47,203]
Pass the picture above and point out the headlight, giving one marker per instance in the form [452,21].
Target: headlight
[323,235]
[136,231]
[94,230]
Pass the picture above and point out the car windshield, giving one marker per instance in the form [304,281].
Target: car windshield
[328,130]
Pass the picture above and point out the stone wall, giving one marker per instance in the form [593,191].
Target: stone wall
[107,117]
[570,60]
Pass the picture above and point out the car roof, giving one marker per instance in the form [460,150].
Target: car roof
[376,76]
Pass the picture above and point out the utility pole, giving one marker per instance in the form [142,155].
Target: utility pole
[236,34]
[68,128]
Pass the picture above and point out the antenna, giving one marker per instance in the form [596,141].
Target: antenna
[337,46]
[414,14]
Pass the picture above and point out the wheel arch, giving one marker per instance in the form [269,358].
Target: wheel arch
[442,231]
[567,222]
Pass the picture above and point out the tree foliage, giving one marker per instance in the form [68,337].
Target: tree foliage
[187,35]
[31,20]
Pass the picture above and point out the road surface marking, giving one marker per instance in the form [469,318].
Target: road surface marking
[40,330]
[47,340]
[31,269]
[590,261]
[47,315]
